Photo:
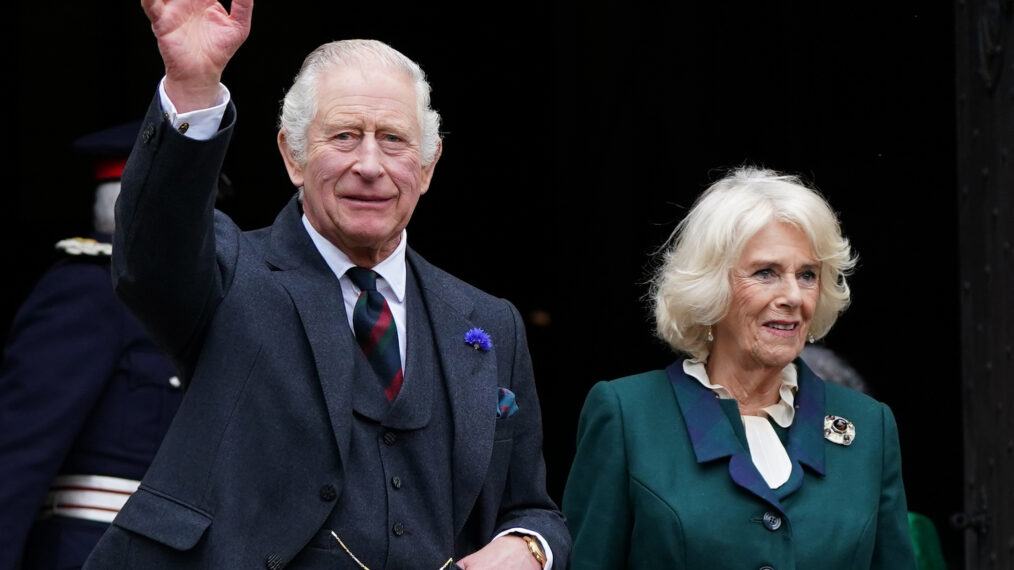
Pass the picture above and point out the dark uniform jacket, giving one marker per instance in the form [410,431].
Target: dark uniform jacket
[83,391]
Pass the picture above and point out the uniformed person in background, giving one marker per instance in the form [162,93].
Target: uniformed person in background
[85,395]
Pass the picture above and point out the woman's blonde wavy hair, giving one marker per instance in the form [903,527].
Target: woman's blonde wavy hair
[691,288]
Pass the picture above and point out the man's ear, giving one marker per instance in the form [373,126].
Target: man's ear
[427,171]
[294,167]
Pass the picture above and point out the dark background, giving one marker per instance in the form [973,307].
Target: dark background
[576,135]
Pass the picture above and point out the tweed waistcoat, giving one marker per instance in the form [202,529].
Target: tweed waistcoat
[395,508]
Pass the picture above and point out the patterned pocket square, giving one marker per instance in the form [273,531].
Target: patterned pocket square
[506,406]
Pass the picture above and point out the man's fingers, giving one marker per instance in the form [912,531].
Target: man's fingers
[242,12]
[152,9]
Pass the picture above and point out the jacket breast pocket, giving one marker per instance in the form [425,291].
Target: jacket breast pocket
[164,520]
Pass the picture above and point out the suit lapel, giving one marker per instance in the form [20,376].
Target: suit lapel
[317,296]
[413,407]
[469,375]
[470,378]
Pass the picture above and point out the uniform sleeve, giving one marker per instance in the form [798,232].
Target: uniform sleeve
[893,549]
[595,501]
[61,351]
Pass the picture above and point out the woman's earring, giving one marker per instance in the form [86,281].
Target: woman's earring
[711,337]
[811,338]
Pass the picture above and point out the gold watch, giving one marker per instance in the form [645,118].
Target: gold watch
[534,547]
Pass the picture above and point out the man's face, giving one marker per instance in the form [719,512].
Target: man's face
[363,173]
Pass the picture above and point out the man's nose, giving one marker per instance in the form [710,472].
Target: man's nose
[368,160]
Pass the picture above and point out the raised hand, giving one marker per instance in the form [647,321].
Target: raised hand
[196,38]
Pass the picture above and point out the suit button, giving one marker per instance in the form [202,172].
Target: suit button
[327,493]
[398,529]
[274,562]
[390,438]
[772,521]
[396,482]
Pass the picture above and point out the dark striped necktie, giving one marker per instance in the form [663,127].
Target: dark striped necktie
[375,331]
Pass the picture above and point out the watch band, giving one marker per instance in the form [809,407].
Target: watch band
[535,548]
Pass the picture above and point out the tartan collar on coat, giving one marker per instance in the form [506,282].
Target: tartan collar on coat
[713,437]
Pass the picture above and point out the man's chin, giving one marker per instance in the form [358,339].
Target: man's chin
[369,240]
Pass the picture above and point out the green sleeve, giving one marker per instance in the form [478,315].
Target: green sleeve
[928,555]
[893,549]
[595,500]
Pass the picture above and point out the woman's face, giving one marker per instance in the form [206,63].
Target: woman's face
[775,287]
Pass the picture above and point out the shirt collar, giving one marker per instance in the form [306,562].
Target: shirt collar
[782,412]
[391,269]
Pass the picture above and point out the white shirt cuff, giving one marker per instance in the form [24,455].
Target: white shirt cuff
[201,124]
[545,545]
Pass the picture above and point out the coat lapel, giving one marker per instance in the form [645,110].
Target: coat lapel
[711,434]
[470,378]
[317,296]
[806,435]
[713,437]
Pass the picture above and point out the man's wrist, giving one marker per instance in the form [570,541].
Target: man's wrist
[534,548]
[198,125]
[193,95]
[544,545]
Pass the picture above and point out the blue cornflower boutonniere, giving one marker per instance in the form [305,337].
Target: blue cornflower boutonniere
[478,339]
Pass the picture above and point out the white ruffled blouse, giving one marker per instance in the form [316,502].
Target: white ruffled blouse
[766,450]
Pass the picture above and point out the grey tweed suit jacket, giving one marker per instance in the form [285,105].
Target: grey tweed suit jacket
[253,463]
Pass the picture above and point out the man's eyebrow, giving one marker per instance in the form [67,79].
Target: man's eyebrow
[351,122]
[340,122]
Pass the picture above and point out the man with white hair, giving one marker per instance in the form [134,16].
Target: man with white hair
[348,404]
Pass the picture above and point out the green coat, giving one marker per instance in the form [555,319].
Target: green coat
[663,479]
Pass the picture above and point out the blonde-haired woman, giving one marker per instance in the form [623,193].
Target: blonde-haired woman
[737,455]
